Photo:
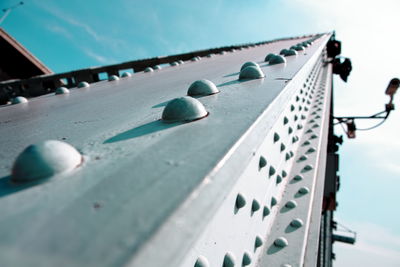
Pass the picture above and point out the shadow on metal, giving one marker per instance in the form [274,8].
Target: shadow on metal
[273,249]
[7,187]
[231,75]
[142,130]
[160,105]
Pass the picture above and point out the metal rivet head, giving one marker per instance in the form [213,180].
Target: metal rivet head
[284,174]
[262,163]
[283,51]
[240,201]
[278,179]
[295,139]
[302,158]
[249,63]
[126,75]
[44,160]
[285,120]
[229,260]
[309,131]
[202,87]
[83,85]
[18,100]
[283,147]
[290,52]
[281,242]
[303,117]
[184,109]
[304,190]
[255,206]
[266,211]
[298,178]
[277,59]
[181,62]
[291,204]
[313,136]
[307,168]
[61,91]
[299,127]
[295,118]
[306,143]
[157,67]
[290,130]
[195,59]
[174,64]
[297,223]
[273,201]
[113,78]
[268,57]
[310,150]
[201,262]
[276,137]
[272,171]
[258,242]
[291,107]
[148,69]
[250,73]
[287,156]
[246,259]
[315,125]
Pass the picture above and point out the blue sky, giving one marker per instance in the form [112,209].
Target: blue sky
[68,35]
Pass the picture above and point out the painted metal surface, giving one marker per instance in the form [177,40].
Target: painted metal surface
[155,193]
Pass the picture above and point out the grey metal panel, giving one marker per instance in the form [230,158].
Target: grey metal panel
[140,175]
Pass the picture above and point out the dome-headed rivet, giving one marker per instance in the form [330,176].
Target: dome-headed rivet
[287,156]
[250,73]
[201,262]
[229,260]
[283,51]
[307,168]
[262,163]
[285,120]
[310,150]
[113,78]
[61,91]
[304,190]
[272,171]
[43,160]
[246,259]
[281,242]
[174,64]
[298,178]
[309,131]
[290,130]
[283,147]
[202,87]
[258,242]
[255,206]
[18,100]
[276,137]
[302,158]
[290,52]
[277,59]
[315,125]
[83,85]
[278,179]
[184,109]
[297,223]
[240,201]
[306,143]
[249,63]
[126,74]
[291,107]
[284,173]
[181,62]
[266,211]
[269,56]
[291,204]
[157,67]
[313,136]
[148,69]
[273,201]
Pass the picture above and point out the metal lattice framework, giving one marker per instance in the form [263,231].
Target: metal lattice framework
[240,187]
